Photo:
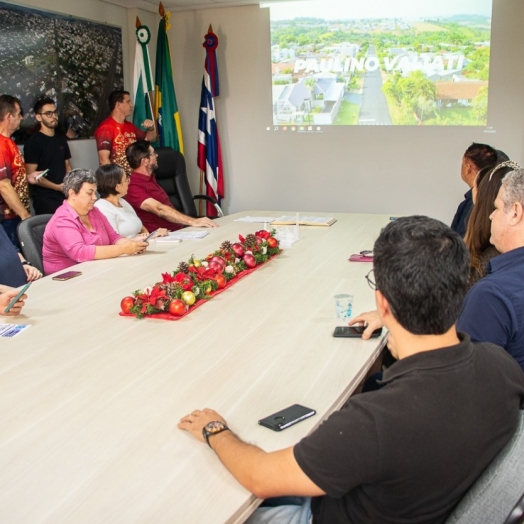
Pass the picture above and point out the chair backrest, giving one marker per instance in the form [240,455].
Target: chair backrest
[31,236]
[171,175]
[495,495]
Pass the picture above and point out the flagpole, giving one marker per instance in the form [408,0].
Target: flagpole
[201,192]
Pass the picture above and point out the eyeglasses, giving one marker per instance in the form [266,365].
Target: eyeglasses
[49,114]
[371,282]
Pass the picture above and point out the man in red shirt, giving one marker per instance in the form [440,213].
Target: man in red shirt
[14,196]
[115,133]
[149,200]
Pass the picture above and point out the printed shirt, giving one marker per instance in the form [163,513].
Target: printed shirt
[115,137]
[12,166]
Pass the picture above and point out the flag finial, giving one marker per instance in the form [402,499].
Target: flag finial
[138,23]
[161,10]
[210,30]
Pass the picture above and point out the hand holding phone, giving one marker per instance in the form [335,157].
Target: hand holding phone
[151,235]
[42,174]
[354,332]
[17,298]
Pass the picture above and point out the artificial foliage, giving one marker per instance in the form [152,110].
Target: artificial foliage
[198,280]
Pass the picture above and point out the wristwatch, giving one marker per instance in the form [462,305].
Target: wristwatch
[213,428]
[26,263]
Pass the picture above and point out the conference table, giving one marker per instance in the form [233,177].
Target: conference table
[90,400]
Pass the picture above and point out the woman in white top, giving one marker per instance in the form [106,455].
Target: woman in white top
[112,185]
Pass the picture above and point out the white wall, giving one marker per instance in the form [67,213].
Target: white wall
[364,169]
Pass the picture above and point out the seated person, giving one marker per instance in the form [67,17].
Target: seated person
[475,158]
[78,231]
[408,452]
[148,199]
[478,231]
[112,184]
[15,271]
[493,308]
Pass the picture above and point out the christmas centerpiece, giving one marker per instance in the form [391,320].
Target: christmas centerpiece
[195,281]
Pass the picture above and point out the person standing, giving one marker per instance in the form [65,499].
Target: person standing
[115,133]
[47,150]
[14,196]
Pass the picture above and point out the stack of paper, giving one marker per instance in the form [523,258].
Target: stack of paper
[176,236]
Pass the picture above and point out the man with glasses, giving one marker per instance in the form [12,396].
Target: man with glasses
[115,133]
[149,200]
[47,150]
[408,452]
[14,195]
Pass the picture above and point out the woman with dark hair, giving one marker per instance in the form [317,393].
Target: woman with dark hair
[112,186]
[475,158]
[78,232]
[478,232]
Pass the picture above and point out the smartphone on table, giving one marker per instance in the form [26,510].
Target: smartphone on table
[354,332]
[287,417]
[67,275]
[17,298]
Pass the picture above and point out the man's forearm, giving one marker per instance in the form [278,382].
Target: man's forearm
[242,460]
[172,215]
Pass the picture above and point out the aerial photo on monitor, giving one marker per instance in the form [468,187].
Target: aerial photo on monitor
[428,65]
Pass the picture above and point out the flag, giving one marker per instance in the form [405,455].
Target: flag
[166,109]
[142,79]
[209,154]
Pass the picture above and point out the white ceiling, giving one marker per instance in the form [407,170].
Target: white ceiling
[184,5]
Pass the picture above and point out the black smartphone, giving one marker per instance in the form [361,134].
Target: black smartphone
[15,299]
[287,417]
[67,275]
[354,331]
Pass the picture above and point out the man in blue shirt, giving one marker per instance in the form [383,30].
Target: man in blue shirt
[493,310]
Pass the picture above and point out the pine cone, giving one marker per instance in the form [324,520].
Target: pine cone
[183,267]
[251,240]
[170,288]
[225,245]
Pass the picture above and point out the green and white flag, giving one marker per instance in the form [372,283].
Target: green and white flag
[143,79]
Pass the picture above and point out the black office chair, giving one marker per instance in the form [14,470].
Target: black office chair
[31,237]
[493,496]
[171,175]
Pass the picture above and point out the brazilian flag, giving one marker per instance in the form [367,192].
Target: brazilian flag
[167,117]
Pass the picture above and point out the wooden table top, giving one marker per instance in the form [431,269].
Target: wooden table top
[89,400]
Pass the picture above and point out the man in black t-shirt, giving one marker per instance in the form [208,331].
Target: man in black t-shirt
[408,452]
[47,150]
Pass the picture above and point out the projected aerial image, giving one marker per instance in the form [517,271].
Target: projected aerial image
[381,63]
